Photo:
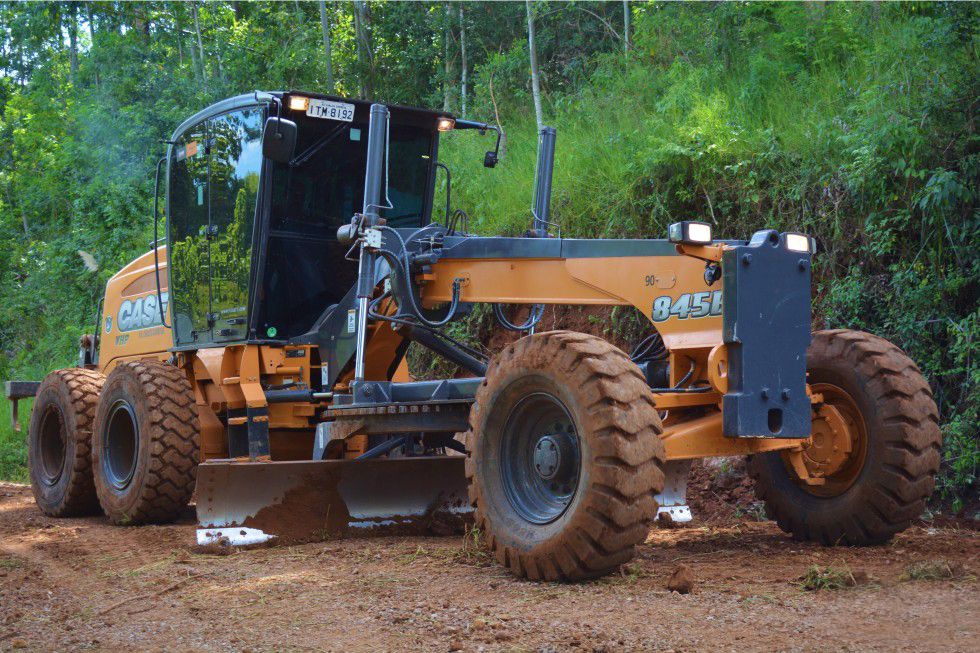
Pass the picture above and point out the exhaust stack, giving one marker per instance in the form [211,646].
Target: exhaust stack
[376,156]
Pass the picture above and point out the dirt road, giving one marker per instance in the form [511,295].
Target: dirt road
[83,584]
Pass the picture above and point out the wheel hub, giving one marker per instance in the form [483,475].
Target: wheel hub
[53,446]
[121,445]
[831,460]
[831,443]
[547,457]
[540,458]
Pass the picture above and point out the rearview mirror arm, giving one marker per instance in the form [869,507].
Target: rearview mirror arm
[490,158]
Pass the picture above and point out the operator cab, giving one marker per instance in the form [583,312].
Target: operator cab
[252,242]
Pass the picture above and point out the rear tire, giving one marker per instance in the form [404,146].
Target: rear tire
[145,443]
[565,457]
[898,421]
[59,442]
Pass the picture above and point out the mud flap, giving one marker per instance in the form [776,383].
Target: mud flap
[244,503]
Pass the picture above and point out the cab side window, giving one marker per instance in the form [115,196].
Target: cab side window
[236,161]
[188,213]
[214,182]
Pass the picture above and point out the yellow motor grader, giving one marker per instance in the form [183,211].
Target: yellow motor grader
[257,362]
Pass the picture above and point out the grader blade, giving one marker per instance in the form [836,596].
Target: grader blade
[247,503]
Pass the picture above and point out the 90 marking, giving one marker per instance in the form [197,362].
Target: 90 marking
[688,305]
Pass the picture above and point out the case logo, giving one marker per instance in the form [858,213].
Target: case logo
[141,313]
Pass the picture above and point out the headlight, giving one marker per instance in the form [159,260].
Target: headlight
[445,123]
[299,103]
[800,243]
[693,233]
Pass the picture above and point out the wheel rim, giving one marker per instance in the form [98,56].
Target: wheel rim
[52,445]
[540,458]
[838,445]
[120,442]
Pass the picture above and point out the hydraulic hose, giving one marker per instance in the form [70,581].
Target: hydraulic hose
[537,312]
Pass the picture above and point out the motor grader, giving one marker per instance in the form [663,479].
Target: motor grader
[256,362]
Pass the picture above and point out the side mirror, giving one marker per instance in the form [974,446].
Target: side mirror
[279,139]
[489,159]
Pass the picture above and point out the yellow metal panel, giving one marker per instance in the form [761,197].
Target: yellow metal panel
[703,438]
[615,281]
[131,327]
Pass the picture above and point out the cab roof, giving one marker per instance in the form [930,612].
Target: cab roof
[408,114]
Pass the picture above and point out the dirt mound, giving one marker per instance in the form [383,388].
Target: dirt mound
[719,491]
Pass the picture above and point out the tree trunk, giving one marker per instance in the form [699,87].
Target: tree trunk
[200,42]
[445,60]
[535,77]
[626,27]
[496,113]
[362,26]
[91,33]
[325,26]
[194,60]
[180,37]
[217,55]
[73,40]
[462,54]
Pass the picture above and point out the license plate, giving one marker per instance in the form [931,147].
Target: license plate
[330,110]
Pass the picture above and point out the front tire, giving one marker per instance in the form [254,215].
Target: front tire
[565,457]
[887,410]
[59,442]
[145,443]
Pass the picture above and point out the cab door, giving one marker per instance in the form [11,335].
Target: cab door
[235,168]
[188,242]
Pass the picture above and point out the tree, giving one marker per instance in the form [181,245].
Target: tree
[73,39]
[325,27]
[462,54]
[365,53]
[535,76]
[626,27]
[200,42]
[446,29]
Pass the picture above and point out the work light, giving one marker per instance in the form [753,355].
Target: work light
[445,123]
[800,243]
[299,103]
[688,232]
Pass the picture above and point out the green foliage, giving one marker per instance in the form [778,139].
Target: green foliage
[851,122]
[13,446]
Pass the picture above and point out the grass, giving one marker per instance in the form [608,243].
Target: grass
[629,574]
[13,445]
[10,563]
[473,551]
[938,569]
[827,578]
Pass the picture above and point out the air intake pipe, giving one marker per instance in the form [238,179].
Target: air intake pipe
[541,209]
